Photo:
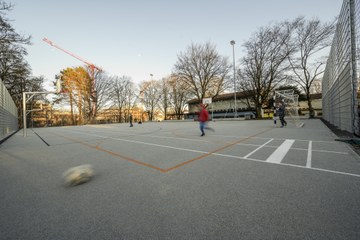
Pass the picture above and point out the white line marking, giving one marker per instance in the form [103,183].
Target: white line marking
[321,151]
[280,139]
[309,155]
[145,143]
[176,138]
[258,148]
[230,156]
[278,155]
[289,165]
[241,144]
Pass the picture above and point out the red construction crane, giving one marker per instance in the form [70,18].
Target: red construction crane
[92,69]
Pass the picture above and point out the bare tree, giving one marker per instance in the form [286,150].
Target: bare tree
[131,99]
[310,37]
[8,35]
[203,69]
[165,97]
[121,87]
[14,70]
[103,90]
[265,64]
[150,96]
[179,95]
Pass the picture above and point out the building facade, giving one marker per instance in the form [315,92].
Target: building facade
[222,106]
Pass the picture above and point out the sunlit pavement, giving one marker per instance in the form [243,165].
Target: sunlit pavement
[246,180]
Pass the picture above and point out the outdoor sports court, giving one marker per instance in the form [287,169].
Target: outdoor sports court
[170,146]
[161,180]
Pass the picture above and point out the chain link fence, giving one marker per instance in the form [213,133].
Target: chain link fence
[340,80]
[8,113]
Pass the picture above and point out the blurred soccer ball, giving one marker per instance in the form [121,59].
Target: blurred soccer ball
[78,175]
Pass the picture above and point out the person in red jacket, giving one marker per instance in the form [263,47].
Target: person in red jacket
[203,118]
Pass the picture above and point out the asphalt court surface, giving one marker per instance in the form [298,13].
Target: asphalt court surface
[168,146]
[161,180]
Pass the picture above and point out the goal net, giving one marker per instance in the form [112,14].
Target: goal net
[291,103]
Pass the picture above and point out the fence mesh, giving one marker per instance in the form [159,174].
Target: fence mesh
[340,80]
[8,113]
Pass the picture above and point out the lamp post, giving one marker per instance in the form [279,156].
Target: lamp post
[232,42]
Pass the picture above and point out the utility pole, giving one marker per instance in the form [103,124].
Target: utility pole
[232,42]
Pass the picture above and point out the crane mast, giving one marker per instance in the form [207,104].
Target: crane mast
[92,67]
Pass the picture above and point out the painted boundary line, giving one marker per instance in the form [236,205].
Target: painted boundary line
[309,155]
[190,150]
[278,155]
[112,153]
[261,146]
[204,154]
[289,165]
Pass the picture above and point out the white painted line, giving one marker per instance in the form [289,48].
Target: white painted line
[176,138]
[146,143]
[321,151]
[289,165]
[281,139]
[278,155]
[230,156]
[258,148]
[309,155]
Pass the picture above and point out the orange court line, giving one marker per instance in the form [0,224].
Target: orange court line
[157,168]
[130,159]
[114,154]
[215,151]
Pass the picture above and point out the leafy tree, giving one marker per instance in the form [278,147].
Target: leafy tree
[95,75]
[76,82]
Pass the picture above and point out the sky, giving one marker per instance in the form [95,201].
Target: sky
[140,38]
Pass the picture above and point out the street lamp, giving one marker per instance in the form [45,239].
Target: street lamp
[232,42]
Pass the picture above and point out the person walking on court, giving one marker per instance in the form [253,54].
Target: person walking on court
[131,120]
[281,114]
[203,119]
[275,117]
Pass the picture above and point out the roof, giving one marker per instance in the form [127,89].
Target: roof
[221,97]
[239,95]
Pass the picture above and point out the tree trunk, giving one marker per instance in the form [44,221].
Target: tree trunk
[258,112]
[71,110]
[120,115]
[311,110]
